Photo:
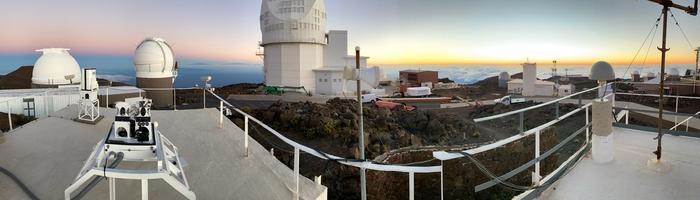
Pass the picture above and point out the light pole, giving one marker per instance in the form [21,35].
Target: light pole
[206,80]
[363,187]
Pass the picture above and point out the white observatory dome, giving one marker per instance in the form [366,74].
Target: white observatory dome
[504,76]
[293,21]
[635,73]
[650,74]
[154,58]
[673,72]
[53,66]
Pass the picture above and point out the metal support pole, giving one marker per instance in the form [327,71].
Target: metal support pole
[537,154]
[9,114]
[588,133]
[144,189]
[363,187]
[521,124]
[204,96]
[579,100]
[661,84]
[296,172]
[112,190]
[46,107]
[411,192]
[557,105]
[221,115]
[627,117]
[675,120]
[107,97]
[442,183]
[174,100]
[246,136]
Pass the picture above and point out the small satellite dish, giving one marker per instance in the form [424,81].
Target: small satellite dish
[69,77]
[206,78]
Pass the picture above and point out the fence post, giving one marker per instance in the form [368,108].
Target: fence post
[221,115]
[521,124]
[536,177]
[579,100]
[296,172]
[411,192]
[204,94]
[107,97]
[557,104]
[9,115]
[46,107]
[587,133]
[442,189]
[246,136]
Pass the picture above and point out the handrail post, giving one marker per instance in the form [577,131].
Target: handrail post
[107,97]
[442,189]
[587,132]
[174,100]
[9,114]
[46,107]
[246,136]
[296,172]
[536,177]
[579,100]
[221,115]
[557,105]
[411,189]
[521,124]
[204,94]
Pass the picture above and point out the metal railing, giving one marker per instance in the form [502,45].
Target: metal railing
[367,164]
[442,155]
[45,94]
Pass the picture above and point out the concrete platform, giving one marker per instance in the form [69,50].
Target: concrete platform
[627,176]
[47,154]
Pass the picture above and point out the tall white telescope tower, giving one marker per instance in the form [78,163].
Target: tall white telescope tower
[155,66]
[293,37]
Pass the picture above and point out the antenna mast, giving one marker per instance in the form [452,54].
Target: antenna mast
[554,70]
[692,11]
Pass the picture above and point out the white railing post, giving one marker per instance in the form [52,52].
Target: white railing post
[9,115]
[221,115]
[411,189]
[537,154]
[675,120]
[107,97]
[46,107]
[204,96]
[296,172]
[442,189]
[174,100]
[112,189]
[144,189]
[246,136]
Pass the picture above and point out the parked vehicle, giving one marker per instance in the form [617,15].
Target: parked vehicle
[272,89]
[368,98]
[418,91]
[506,100]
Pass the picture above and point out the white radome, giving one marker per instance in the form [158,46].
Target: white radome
[283,21]
[650,74]
[673,72]
[154,58]
[503,76]
[53,66]
[635,72]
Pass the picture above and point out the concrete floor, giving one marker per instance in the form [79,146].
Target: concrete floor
[47,155]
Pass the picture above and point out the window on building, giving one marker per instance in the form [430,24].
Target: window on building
[334,80]
[320,80]
[29,109]
[325,80]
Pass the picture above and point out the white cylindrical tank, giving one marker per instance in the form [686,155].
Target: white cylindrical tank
[154,58]
[52,67]
[293,21]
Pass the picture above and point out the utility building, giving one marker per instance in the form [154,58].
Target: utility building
[529,85]
[416,77]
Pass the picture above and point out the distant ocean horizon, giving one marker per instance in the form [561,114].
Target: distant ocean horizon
[116,68]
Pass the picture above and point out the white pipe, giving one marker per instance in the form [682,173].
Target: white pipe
[9,116]
[144,189]
[537,154]
[411,189]
[107,103]
[246,135]
[296,172]
[588,134]
[221,115]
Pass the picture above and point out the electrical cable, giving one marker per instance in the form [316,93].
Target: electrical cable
[645,40]
[679,27]
[21,185]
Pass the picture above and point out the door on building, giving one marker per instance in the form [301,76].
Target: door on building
[29,107]
[540,91]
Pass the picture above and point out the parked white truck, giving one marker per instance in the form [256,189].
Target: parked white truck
[507,100]
[368,98]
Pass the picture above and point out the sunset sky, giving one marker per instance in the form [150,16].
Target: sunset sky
[391,32]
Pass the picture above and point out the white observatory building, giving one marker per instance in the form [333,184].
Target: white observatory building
[529,85]
[51,69]
[155,66]
[298,52]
